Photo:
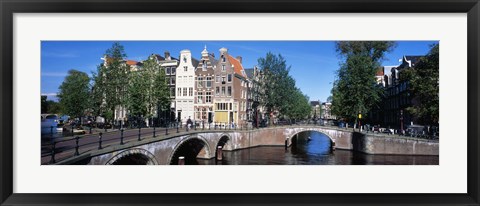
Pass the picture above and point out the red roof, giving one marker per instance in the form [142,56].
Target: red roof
[379,72]
[237,66]
[131,62]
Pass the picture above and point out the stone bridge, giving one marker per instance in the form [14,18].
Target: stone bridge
[204,144]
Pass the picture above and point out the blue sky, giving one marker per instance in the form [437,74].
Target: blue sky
[313,63]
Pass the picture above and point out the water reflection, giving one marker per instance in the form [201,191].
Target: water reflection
[315,151]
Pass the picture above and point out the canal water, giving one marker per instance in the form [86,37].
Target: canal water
[313,148]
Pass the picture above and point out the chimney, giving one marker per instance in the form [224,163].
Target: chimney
[239,58]
[167,55]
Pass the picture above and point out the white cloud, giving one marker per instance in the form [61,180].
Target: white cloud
[49,94]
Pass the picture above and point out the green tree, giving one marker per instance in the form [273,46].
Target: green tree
[111,82]
[356,90]
[424,87]
[74,94]
[137,93]
[301,108]
[44,104]
[147,90]
[49,106]
[98,105]
[277,85]
[54,107]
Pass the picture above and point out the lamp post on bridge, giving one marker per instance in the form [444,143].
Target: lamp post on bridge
[360,122]
[401,121]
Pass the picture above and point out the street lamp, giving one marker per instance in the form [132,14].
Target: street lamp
[360,122]
[401,121]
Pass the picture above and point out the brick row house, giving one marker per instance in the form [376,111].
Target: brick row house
[392,111]
[397,94]
[204,89]
[255,112]
[230,99]
[169,64]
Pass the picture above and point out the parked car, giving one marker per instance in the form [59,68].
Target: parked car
[388,131]
[415,131]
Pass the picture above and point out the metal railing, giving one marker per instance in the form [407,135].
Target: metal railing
[55,148]
[61,148]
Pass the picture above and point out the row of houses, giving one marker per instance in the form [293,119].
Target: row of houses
[392,112]
[209,89]
[322,110]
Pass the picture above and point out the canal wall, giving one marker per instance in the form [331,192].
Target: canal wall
[393,145]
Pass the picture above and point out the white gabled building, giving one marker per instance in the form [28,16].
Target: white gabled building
[185,84]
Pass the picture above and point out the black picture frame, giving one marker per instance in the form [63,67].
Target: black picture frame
[10,7]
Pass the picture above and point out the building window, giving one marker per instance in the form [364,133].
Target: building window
[229,91]
[223,91]
[167,80]
[223,80]
[223,68]
[229,77]
[173,71]
[172,91]
[168,70]
[209,82]
[217,91]
[200,97]
[208,97]
[217,80]
[172,81]
[223,58]
[190,91]
[185,68]
[179,91]
[204,65]
[200,82]
[185,92]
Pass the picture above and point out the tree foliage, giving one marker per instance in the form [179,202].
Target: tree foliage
[355,89]
[279,93]
[300,106]
[147,90]
[424,85]
[111,82]
[74,94]
[49,106]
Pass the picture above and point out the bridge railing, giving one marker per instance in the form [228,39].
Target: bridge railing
[56,147]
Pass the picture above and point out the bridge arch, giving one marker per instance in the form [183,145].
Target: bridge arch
[294,135]
[222,141]
[192,146]
[135,156]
